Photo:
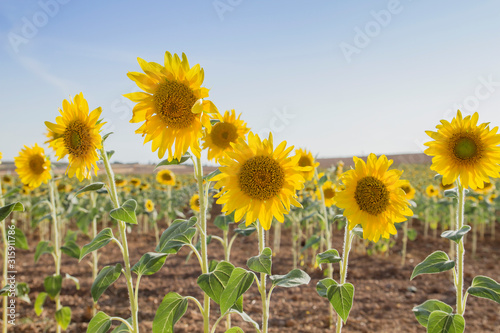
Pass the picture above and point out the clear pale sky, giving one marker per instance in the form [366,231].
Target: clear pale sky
[340,78]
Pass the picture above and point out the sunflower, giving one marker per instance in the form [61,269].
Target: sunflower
[144,186]
[63,188]
[306,163]
[171,105]
[25,190]
[149,206]
[373,197]
[445,187]
[431,191]
[32,166]
[120,182]
[487,188]
[136,182]
[259,181]
[409,190]
[76,134]
[463,148]
[329,191]
[165,177]
[491,199]
[7,179]
[219,138]
[194,202]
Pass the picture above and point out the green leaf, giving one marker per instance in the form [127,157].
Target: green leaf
[40,299]
[74,279]
[322,286]
[88,188]
[176,236]
[239,282]
[485,287]
[22,292]
[245,317]
[42,248]
[456,235]
[20,239]
[294,278]
[10,193]
[101,323]
[63,317]
[123,328]
[341,297]
[313,240]
[102,239]
[126,212]
[452,193]
[214,283]
[175,161]
[4,291]
[328,257]
[13,207]
[442,322]
[71,249]
[424,310]
[110,153]
[106,277]
[358,231]
[149,263]
[171,309]
[322,180]
[106,136]
[222,221]
[245,231]
[261,263]
[212,175]
[235,329]
[53,285]
[435,263]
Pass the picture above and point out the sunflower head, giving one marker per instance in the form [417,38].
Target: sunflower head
[149,206]
[431,191]
[226,131]
[446,187]
[194,202]
[7,180]
[258,181]
[465,150]
[487,188]
[32,166]
[171,105]
[306,163]
[136,182]
[165,177]
[329,191]
[76,133]
[373,197]
[120,182]
[408,189]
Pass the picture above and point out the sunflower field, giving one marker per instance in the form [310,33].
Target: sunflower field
[271,239]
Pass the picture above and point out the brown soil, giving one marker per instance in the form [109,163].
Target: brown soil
[383,301]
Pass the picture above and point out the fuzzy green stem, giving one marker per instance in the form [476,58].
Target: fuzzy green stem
[95,268]
[460,251]
[122,227]
[5,263]
[348,237]
[203,240]
[262,286]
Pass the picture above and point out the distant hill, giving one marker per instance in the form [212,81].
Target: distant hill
[137,169]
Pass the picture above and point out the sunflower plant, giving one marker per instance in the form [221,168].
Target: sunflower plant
[468,154]
[371,198]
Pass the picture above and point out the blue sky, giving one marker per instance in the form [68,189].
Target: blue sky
[340,78]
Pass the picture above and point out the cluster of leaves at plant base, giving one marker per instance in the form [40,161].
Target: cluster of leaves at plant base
[436,316]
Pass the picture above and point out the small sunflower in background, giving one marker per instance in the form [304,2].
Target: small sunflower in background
[149,206]
[465,150]
[120,182]
[329,191]
[7,180]
[258,181]
[76,133]
[165,177]
[171,105]
[135,182]
[431,191]
[219,138]
[63,187]
[306,163]
[145,186]
[491,198]
[409,190]
[446,187]
[194,202]
[26,190]
[373,197]
[32,166]
[487,188]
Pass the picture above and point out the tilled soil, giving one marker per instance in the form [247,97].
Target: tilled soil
[383,302]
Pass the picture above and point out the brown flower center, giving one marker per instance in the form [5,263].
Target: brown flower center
[223,134]
[261,177]
[304,161]
[466,147]
[77,138]
[173,102]
[166,177]
[329,193]
[37,164]
[371,195]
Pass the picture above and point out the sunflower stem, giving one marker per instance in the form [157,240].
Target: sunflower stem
[203,240]
[460,250]
[262,286]
[5,264]
[348,237]
[57,247]
[95,258]
[123,235]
